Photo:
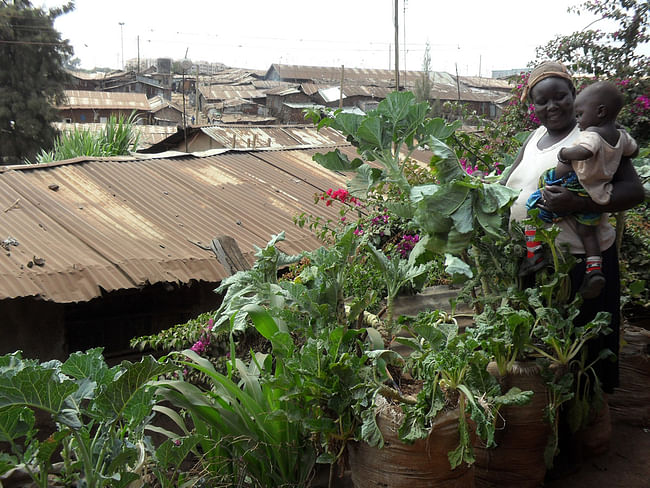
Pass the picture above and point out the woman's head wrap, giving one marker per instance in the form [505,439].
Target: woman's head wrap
[547,69]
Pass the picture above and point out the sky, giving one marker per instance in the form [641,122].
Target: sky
[472,36]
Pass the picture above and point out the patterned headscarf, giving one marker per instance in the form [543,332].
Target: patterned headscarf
[547,69]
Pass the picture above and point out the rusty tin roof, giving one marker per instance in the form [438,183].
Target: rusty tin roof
[88,226]
[87,99]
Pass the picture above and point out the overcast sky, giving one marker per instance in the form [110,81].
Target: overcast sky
[474,35]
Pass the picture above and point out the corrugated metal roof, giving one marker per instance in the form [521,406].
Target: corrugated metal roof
[275,136]
[158,103]
[86,99]
[97,75]
[104,225]
[149,134]
[331,94]
[283,90]
[327,74]
[219,93]
[488,83]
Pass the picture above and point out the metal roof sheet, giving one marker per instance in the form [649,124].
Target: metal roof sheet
[328,74]
[220,93]
[119,223]
[149,134]
[85,99]
[277,137]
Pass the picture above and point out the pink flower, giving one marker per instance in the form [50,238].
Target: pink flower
[358,231]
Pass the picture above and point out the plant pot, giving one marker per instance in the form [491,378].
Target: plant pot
[596,435]
[423,464]
[521,436]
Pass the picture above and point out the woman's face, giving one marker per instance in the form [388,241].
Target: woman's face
[553,100]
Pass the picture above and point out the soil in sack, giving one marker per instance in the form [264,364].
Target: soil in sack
[423,464]
[521,436]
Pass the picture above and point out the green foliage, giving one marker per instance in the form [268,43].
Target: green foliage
[452,367]
[453,210]
[243,427]
[635,261]
[617,55]
[31,79]
[99,412]
[610,54]
[117,139]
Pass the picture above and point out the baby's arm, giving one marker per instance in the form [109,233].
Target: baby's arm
[573,153]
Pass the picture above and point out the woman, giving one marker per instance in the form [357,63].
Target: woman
[550,88]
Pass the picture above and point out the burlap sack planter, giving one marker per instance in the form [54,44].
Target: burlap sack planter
[423,464]
[522,433]
[630,403]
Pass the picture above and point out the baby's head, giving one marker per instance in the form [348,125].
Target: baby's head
[598,104]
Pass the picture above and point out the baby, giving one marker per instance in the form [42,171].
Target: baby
[587,169]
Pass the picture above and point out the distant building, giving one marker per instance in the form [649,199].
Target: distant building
[92,106]
[505,73]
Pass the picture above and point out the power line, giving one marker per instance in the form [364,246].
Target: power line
[37,43]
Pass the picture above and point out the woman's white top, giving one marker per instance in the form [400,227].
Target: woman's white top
[526,178]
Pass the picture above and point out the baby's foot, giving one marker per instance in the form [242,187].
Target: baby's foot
[592,284]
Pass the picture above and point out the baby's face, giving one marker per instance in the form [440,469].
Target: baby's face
[586,108]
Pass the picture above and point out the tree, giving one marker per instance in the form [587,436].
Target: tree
[32,77]
[612,54]
[423,83]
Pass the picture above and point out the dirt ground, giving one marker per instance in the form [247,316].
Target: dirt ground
[625,465]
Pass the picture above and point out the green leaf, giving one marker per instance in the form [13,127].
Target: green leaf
[348,123]
[419,192]
[365,179]
[439,129]
[370,432]
[113,400]
[446,166]
[491,223]
[262,320]
[514,396]
[15,422]
[35,387]
[462,217]
[457,267]
[502,194]
[370,131]
[7,462]
[337,161]
[86,365]
[172,452]
[395,107]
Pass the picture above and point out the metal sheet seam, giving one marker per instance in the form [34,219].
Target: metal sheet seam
[77,235]
[287,172]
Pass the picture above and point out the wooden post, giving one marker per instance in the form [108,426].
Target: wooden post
[254,140]
[234,140]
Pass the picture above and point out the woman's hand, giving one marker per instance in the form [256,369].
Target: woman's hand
[561,201]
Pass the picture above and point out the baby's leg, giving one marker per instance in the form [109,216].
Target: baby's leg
[594,279]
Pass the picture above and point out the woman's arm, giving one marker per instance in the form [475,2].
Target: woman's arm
[627,192]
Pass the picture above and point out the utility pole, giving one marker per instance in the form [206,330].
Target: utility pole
[196,94]
[138,71]
[341,87]
[404,34]
[122,41]
[396,15]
